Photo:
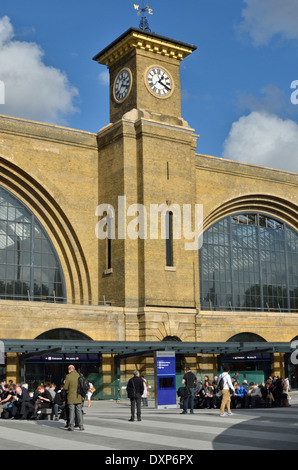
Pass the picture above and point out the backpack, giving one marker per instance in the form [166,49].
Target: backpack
[83,386]
[221,384]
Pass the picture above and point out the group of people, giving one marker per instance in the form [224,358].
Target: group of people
[224,393]
[16,402]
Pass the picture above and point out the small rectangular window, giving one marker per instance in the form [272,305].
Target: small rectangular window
[169,239]
[109,244]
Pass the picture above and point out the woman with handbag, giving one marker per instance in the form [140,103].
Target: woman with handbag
[90,393]
[146,392]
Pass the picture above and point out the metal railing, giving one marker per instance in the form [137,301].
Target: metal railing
[212,307]
[53,299]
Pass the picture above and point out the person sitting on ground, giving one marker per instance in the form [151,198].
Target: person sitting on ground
[238,400]
[2,385]
[253,396]
[209,394]
[7,399]
[22,404]
[42,400]
[59,403]
[52,390]
[199,394]
[245,385]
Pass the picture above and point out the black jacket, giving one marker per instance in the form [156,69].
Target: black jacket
[190,379]
[60,397]
[135,387]
[24,397]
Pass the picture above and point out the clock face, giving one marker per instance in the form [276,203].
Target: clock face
[159,82]
[122,85]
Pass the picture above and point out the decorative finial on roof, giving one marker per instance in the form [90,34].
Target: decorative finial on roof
[144,24]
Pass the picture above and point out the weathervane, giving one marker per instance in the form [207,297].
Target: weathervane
[144,24]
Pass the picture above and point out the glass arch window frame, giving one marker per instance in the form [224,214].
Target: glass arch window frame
[229,248]
[28,271]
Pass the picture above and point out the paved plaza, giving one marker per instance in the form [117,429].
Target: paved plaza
[107,428]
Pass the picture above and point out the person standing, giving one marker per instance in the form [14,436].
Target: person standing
[74,399]
[189,382]
[135,390]
[89,394]
[226,389]
[145,394]
[236,378]
[287,387]
[59,403]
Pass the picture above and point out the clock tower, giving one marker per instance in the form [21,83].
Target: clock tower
[146,159]
[144,73]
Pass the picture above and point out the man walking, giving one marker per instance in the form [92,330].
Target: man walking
[135,390]
[189,382]
[74,400]
[225,386]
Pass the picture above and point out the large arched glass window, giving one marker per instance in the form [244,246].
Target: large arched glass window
[249,262]
[29,265]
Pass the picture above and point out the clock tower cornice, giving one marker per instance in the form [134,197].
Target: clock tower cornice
[138,39]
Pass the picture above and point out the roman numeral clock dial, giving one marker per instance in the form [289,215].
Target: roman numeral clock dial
[159,82]
[122,86]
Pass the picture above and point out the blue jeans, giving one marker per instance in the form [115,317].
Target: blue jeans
[190,399]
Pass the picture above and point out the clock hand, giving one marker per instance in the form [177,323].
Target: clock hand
[161,82]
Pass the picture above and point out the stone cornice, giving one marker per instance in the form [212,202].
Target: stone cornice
[246,170]
[138,39]
[47,132]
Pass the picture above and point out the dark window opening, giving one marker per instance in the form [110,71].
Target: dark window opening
[169,239]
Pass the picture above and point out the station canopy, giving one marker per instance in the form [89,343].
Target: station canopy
[125,349]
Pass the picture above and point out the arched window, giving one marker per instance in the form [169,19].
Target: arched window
[172,338]
[65,334]
[249,262]
[246,338]
[29,265]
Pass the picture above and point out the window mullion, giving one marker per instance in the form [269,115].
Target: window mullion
[31,291]
[287,269]
[260,263]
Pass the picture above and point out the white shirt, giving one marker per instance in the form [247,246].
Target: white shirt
[227,382]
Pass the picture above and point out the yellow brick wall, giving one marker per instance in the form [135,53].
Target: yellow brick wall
[146,154]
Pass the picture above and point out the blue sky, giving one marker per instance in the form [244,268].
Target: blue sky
[236,88]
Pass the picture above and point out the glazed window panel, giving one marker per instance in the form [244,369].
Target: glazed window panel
[258,261]
[29,266]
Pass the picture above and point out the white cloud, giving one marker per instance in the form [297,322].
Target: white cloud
[104,77]
[33,90]
[264,139]
[263,19]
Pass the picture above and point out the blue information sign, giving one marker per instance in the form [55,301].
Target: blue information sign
[165,379]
